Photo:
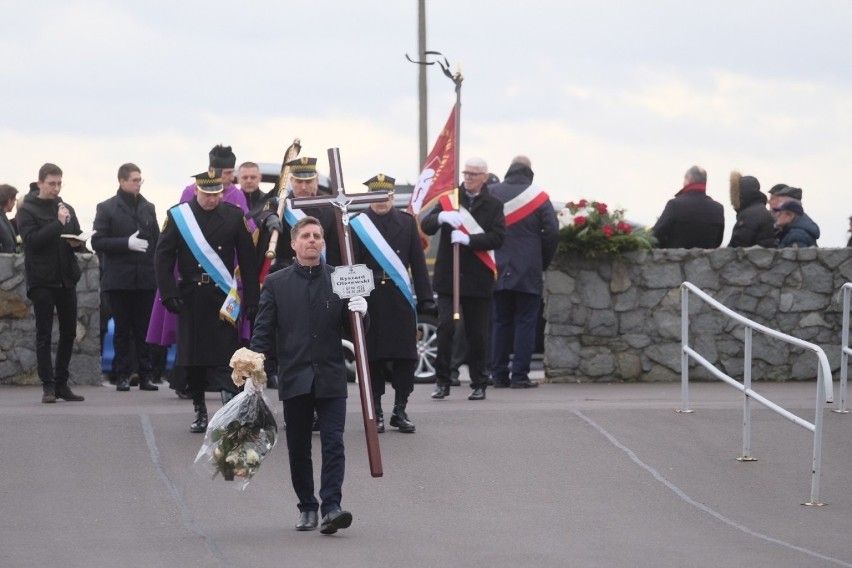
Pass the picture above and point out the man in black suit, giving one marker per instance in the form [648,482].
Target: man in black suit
[479,227]
[389,244]
[126,234]
[203,236]
[301,321]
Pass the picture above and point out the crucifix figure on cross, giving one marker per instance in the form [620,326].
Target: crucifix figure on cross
[351,280]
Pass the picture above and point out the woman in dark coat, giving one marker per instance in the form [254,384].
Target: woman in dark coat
[755,226]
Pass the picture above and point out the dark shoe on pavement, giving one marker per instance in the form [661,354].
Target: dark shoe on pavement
[440,392]
[477,394]
[500,383]
[49,395]
[146,384]
[134,380]
[336,520]
[181,394]
[399,419]
[307,521]
[455,382]
[199,426]
[524,384]
[63,392]
[122,384]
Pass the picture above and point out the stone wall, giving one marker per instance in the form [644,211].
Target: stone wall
[17,325]
[620,319]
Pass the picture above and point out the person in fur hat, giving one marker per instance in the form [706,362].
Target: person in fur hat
[755,225]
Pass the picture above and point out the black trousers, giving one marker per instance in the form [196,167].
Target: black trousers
[400,372]
[131,310]
[299,417]
[477,321]
[64,302]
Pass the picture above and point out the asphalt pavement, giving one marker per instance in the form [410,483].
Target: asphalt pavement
[564,475]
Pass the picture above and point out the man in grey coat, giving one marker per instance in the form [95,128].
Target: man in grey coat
[532,234]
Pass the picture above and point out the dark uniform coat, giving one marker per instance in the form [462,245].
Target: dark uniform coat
[530,243]
[48,258]
[115,220]
[476,279]
[284,253]
[393,321]
[203,339]
[301,322]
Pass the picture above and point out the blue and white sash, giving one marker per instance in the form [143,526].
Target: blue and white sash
[209,261]
[384,255]
[292,215]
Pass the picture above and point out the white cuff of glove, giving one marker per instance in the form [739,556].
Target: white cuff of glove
[460,237]
[451,218]
[358,304]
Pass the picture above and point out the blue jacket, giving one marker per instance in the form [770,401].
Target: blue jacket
[530,243]
[802,232]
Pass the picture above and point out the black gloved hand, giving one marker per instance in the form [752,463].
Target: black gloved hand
[174,305]
[427,308]
[273,223]
[251,313]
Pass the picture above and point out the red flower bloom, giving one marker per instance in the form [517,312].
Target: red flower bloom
[624,227]
[602,208]
[607,230]
[582,203]
[579,220]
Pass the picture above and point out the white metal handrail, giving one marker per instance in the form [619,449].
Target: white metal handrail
[824,387]
[845,351]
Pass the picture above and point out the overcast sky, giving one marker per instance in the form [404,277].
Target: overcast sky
[612,100]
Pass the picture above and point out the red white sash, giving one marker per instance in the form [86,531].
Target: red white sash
[523,204]
[471,227]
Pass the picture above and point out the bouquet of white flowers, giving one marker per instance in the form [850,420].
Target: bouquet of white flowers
[241,433]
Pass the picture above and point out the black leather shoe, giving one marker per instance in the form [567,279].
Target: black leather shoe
[122,384]
[64,392]
[399,419]
[524,384]
[336,520]
[199,426]
[477,394]
[440,392]
[307,521]
[500,383]
[146,384]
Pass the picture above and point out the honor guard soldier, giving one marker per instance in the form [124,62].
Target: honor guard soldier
[303,182]
[389,244]
[205,236]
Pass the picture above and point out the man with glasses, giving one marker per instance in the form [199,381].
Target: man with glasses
[126,234]
[479,227]
[52,273]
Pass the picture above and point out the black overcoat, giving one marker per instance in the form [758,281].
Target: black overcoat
[692,219]
[476,279]
[203,339]
[115,220]
[48,258]
[301,322]
[393,321]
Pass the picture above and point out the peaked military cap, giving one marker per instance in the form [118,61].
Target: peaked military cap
[209,181]
[380,181]
[303,168]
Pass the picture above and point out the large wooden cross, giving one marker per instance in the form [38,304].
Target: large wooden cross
[341,202]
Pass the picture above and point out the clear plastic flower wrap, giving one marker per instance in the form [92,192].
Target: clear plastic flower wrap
[241,433]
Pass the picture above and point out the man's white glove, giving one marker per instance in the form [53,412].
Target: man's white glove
[451,218]
[460,237]
[358,304]
[136,244]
